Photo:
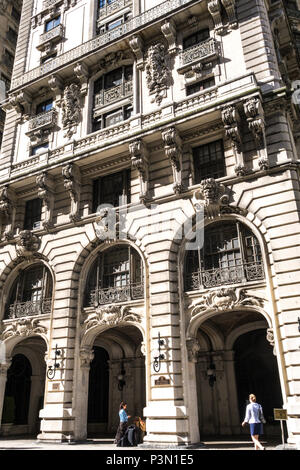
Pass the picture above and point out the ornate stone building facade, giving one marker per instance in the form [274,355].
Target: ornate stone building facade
[10,13]
[149,206]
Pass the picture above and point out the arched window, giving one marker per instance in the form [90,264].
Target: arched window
[116,276]
[31,293]
[231,254]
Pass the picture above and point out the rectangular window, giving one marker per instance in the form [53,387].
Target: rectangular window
[44,106]
[39,148]
[199,86]
[209,161]
[195,38]
[51,24]
[33,214]
[112,189]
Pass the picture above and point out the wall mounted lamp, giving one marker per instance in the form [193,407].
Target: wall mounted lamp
[52,369]
[121,378]
[211,374]
[158,357]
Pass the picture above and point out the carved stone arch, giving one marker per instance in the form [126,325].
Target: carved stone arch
[12,342]
[88,338]
[234,335]
[214,334]
[38,366]
[13,269]
[198,320]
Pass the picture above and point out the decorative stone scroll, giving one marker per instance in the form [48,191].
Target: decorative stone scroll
[168,29]
[225,299]
[7,211]
[270,338]
[157,72]
[212,195]
[86,356]
[229,6]
[136,44]
[110,315]
[193,349]
[140,162]
[28,243]
[71,109]
[173,150]
[71,176]
[256,123]
[214,8]
[45,186]
[82,73]
[22,327]
[231,120]
[20,101]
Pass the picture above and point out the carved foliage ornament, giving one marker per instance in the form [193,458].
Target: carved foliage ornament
[27,243]
[225,299]
[110,315]
[157,72]
[71,109]
[212,195]
[23,327]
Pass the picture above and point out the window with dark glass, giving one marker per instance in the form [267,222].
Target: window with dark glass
[15,14]
[51,24]
[209,161]
[112,189]
[44,106]
[33,214]
[112,118]
[39,148]
[230,254]
[31,292]
[199,86]
[195,38]
[116,276]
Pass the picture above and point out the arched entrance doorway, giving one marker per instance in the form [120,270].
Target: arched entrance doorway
[256,369]
[117,373]
[24,389]
[235,359]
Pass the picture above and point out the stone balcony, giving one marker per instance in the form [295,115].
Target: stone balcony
[50,4]
[114,94]
[43,121]
[197,54]
[113,7]
[50,37]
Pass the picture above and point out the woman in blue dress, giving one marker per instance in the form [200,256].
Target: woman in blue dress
[255,417]
[123,422]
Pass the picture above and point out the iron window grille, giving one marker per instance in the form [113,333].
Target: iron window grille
[116,276]
[231,254]
[31,293]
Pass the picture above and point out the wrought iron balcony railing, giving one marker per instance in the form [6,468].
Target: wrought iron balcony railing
[221,276]
[112,295]
[199,52]
[113,7]
[45,120]
[116,93]
[54,35]
[29,308]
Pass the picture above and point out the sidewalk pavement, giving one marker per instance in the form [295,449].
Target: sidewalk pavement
[227,443]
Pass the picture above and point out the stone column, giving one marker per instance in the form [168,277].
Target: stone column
[166,413]
[82,393]
[232,391]
[3,376]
